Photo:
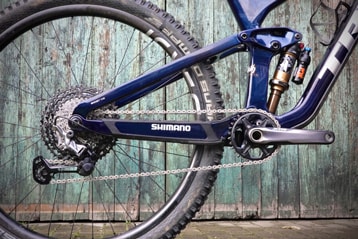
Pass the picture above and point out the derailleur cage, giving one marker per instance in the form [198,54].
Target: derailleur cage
[43,172]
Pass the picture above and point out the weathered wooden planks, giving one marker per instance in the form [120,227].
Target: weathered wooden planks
[302,181]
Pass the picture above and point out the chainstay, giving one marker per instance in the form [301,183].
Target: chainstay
[171,171]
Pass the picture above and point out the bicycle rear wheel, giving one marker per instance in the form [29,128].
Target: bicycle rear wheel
[53,55]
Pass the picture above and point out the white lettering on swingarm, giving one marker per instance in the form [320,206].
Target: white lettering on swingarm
[171,127]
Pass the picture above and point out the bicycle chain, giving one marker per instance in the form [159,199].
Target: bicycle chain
[172,171]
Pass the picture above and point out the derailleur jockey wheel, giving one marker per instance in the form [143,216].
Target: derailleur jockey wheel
[240,140]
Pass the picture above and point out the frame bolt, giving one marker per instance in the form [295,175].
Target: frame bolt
[244,36]
[275,45]
[298,36]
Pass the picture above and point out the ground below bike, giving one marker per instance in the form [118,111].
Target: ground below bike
[115,113]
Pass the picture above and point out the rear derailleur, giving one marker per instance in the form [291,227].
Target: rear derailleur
[85,160]
[76,149]
[43,170]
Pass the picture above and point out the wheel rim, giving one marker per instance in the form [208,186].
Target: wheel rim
[59,64]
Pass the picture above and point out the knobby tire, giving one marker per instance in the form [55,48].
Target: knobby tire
[40,57]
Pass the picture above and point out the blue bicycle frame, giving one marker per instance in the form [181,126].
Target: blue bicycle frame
[263,44]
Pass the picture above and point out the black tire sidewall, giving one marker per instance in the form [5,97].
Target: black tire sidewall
[146,17]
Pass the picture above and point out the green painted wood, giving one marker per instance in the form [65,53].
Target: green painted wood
[301,182]
[5,3]
[228,200]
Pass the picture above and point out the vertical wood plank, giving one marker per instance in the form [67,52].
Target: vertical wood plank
[302,181]
[227,191]
[352,115]
[5,3]
[189,13]
[307,153]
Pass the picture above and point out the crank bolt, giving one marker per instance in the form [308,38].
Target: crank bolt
[256,135]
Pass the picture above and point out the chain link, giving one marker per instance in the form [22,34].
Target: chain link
[144,112]
[65,162]
[163,172]
[171,171]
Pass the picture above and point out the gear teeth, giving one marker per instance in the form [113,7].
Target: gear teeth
[61,105]
[247,119]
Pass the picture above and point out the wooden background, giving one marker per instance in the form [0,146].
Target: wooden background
[302,181]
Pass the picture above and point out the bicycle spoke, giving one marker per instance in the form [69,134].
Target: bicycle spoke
[71,60]
[19,203]
[62,50]
[77,209]
[31,68]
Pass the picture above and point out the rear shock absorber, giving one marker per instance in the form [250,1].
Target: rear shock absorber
[280,81]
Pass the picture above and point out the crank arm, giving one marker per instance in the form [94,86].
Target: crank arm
[263,135]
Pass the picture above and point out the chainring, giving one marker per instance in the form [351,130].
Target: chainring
[240,140]
[58,111]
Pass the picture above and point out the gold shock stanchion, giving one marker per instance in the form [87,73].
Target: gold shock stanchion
[280,81]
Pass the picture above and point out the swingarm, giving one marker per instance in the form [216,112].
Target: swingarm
[255,126]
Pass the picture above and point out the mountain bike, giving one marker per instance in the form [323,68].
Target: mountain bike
[114,114]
